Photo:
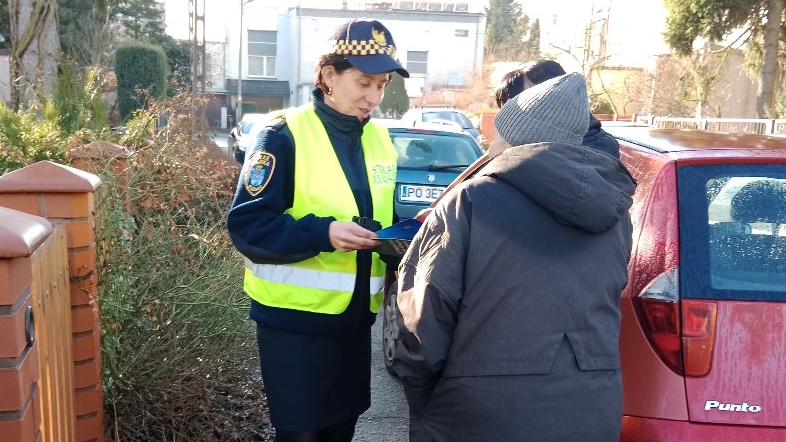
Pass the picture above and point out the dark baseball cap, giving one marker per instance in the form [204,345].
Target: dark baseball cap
[369,47]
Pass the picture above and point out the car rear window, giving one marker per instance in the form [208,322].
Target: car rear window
[458,117]
[733,231]
[418,150]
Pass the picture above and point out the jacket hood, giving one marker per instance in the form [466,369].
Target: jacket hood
[580,187]
[599,140]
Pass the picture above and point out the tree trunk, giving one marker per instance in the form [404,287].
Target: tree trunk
[772,32]
[34,45]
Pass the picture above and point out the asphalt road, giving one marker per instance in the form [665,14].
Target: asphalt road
[388,418]
[222,140]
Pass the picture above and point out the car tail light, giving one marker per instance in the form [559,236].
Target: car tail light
[681,331]
[655,273]
[658,312]
[698,335]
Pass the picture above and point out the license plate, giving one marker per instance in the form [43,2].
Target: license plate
[419,193]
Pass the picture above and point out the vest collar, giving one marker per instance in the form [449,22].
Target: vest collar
[333,120]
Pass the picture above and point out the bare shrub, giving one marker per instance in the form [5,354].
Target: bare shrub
[178,349]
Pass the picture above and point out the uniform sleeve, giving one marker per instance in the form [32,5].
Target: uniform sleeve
[256,222]
[431,286]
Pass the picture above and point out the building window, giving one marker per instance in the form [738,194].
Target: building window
[261,53]
[417,62]
[462,32]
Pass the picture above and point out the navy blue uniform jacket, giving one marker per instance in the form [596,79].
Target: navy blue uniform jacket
[262,232]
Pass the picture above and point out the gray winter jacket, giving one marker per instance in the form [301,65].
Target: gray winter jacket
[509,301]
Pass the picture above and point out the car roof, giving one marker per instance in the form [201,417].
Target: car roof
[428,109]
[421,126]
[253,117]
[697,142]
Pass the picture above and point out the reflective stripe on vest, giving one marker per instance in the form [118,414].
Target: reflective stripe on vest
[333,281]
[324,283]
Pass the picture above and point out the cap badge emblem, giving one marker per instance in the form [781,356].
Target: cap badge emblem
[379,37]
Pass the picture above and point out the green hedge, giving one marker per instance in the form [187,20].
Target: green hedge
[26,139]
[142,72]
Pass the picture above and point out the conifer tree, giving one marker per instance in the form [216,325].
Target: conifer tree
[532,45]
[396,101]
[714,20]
[506,28]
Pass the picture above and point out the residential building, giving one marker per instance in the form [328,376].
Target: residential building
[440,43]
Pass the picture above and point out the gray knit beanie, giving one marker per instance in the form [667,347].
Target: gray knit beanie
[556,110]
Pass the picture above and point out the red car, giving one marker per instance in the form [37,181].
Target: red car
[703,332]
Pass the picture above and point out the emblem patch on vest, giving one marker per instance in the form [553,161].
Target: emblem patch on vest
[383,174]
[259,174]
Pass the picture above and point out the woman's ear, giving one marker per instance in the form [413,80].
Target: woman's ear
[328,75]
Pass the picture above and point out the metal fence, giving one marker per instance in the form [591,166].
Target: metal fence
[732,125]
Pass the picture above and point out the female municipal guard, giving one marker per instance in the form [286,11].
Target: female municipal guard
[315,286]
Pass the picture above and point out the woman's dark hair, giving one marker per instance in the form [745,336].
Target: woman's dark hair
[339,63]
[536,71]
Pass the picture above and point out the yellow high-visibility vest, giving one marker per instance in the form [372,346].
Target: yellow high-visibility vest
[324,283]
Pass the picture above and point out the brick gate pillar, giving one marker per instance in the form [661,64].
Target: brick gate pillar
[65,195]
[20,235]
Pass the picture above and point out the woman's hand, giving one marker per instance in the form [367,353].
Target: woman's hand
[346,236]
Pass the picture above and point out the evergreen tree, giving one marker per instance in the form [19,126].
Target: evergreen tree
[178,54]
[532,45]
[86,32]
[143,20]
[396,101]
[715,20]
[141,70]
[506,28]
[77,103]
[90,31]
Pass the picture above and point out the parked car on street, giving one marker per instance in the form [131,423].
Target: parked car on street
[421,114]
[242,135]
[703,326]
[430,157]
[703,334]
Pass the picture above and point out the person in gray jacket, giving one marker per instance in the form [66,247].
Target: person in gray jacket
[509,294]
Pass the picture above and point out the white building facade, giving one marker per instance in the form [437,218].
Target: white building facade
[440,43]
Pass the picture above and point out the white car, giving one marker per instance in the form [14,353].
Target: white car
[243,134]
[441,115]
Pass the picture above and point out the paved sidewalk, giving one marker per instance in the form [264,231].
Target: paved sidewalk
[388,418]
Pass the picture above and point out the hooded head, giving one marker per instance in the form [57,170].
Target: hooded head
[555,111]
[368,46]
